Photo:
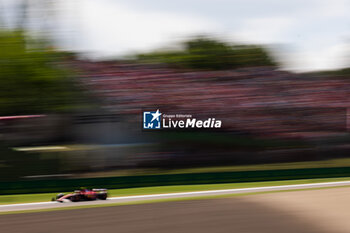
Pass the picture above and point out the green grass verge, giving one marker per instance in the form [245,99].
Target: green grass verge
[27,198]
[161,200]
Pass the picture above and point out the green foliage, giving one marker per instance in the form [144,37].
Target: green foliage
[30,80]
[208,54]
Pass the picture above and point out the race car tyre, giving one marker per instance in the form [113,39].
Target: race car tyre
[102,196]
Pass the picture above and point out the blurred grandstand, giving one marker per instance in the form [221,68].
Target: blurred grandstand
[262,101]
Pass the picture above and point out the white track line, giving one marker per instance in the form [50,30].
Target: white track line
[219,191]
[28,204]
[203,193]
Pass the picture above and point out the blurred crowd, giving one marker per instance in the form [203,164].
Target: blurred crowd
[257,100]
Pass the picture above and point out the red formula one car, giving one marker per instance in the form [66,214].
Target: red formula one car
[82,195]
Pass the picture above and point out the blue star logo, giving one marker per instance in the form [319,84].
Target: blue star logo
[152,120]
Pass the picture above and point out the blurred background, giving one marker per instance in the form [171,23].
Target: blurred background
[75,77]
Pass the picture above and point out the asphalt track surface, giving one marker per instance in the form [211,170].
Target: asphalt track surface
[126,199]
[307,211]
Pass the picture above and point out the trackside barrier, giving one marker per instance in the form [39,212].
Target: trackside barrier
[64,185]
